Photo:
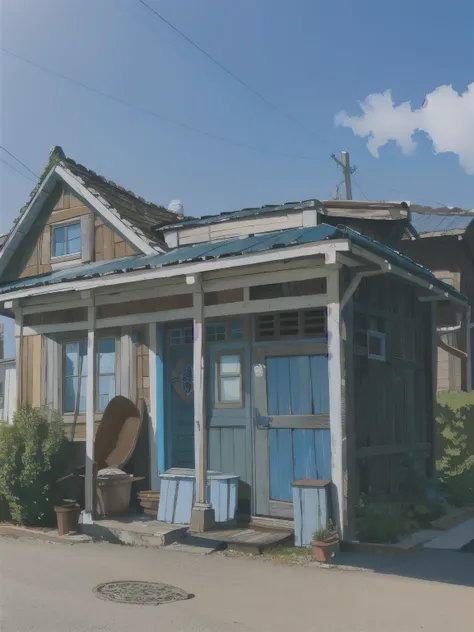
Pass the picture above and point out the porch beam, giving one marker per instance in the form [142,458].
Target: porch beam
[88,514]
[266,305]
[202,515]
[336,377]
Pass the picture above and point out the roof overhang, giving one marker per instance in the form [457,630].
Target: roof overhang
[337,251]
[329,249]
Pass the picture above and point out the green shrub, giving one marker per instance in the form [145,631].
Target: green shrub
[455,445]
[381,520]
[34,453]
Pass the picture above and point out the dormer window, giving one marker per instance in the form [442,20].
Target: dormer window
[66,240]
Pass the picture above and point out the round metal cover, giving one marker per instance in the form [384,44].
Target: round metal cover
[141,593]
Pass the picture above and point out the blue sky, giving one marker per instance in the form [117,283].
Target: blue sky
[311,58]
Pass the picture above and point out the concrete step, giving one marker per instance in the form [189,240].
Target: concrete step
[135,531]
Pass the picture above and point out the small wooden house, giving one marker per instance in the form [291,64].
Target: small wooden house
[442,240]
[276,343]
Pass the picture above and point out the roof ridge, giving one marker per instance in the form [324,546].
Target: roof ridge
[105,180]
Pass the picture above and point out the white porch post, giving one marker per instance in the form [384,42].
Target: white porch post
[202,517]
[90,414]
[336,377]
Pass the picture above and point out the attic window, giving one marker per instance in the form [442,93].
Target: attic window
[67,239]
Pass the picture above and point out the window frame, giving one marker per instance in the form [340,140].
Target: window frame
[65,225]
[78,339]
[218,403]
[382,336]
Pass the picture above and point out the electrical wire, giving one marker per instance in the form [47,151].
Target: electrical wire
[19,161]
[143,110]
[17,170]
[233,75]
[360,188]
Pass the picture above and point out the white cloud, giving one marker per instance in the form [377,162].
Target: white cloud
[446,117]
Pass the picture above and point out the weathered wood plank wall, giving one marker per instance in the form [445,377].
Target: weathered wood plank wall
[392,416]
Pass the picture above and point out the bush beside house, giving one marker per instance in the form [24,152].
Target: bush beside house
[34,453]
[454,446]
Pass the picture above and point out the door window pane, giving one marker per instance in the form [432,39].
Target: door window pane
[230,389]
[229,384]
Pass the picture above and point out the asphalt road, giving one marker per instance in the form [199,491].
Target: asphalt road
[47,587]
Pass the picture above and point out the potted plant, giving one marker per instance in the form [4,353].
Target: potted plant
[325,543]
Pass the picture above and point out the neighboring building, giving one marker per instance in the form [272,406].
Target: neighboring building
[443,241]
[275,343]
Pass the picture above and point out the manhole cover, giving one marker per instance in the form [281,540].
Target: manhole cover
[142,593]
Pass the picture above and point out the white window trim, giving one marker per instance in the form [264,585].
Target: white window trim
[73,255]
[382,357]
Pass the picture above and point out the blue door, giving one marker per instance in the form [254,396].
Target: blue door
[292,434]
[179,396]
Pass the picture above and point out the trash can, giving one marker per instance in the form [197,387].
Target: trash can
[113,492]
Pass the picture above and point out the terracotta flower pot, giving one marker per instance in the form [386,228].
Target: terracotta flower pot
[325,550]
[67,516]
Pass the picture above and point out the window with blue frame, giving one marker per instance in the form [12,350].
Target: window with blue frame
[298,385]
[67,239]
[75,375]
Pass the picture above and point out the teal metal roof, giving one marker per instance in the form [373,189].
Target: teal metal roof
[227,248]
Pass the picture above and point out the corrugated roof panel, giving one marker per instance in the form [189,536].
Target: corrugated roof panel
[215,250]
[435,222]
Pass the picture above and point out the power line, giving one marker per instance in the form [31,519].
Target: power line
[359,188]
[19,161]
[232,74]
[419,197]
[17,170]
[143,110]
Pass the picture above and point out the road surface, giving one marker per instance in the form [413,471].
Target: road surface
[47,587]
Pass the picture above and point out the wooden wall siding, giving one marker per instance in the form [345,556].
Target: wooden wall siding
[390,398]
[295,455]
[146,305]
[30,370]
[247,226]
[143,375]
[108,245]
[229,433]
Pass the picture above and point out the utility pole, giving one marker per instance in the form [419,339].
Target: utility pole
[346,168]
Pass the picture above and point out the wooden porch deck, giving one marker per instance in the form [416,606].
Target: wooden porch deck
[247,539]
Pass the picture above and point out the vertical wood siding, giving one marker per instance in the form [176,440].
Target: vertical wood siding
[30,371]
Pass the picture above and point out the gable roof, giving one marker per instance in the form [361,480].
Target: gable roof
[437,222]
[219,250]
[131,216]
